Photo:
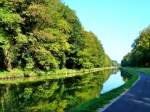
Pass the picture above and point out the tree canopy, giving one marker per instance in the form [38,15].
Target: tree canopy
[140,54]
[46,34]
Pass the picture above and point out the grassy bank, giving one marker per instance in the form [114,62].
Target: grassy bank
[93,105]
[144,70]
[19,73]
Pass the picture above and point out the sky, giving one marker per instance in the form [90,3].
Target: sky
[116,23]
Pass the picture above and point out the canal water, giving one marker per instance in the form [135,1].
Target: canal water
[115,80]
[57,95]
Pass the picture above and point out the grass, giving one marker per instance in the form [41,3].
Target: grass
[145,70]
[94,104]
[11,73]
[23,76]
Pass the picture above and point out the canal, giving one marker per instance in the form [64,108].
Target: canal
[57,95]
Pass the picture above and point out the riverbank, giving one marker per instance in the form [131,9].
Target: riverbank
[102,100]
[41,75]
[144,70]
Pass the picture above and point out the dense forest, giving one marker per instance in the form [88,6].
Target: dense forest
[140,54]
[45,35]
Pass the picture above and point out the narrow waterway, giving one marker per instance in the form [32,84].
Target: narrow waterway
[115,80]
[56,95]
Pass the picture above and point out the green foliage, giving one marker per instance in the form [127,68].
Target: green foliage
[45,35]
[27,93]
[9,18]
[140,54]
[3,38]
[45,60]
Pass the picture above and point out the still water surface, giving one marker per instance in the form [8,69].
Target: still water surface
[56,95]
[115,80]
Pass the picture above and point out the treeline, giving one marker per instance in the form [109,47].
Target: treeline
[140,54]
[46,34]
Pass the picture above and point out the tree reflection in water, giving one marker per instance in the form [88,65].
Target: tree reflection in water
[55,95]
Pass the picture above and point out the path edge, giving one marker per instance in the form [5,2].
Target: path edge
[117,98]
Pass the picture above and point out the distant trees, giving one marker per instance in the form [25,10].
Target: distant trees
[115,63]
[46,34]
[140,54]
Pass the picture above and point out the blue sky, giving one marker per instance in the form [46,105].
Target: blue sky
[117,23]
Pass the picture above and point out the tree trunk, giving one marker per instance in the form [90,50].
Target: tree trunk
[7,61]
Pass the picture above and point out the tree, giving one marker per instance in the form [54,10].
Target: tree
[140,54]
[45,35]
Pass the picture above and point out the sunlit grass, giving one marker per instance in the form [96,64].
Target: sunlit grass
[145,70]
[24,76]
[11,73]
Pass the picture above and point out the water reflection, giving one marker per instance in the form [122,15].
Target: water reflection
[115,80]
[126,76]
[55,95]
